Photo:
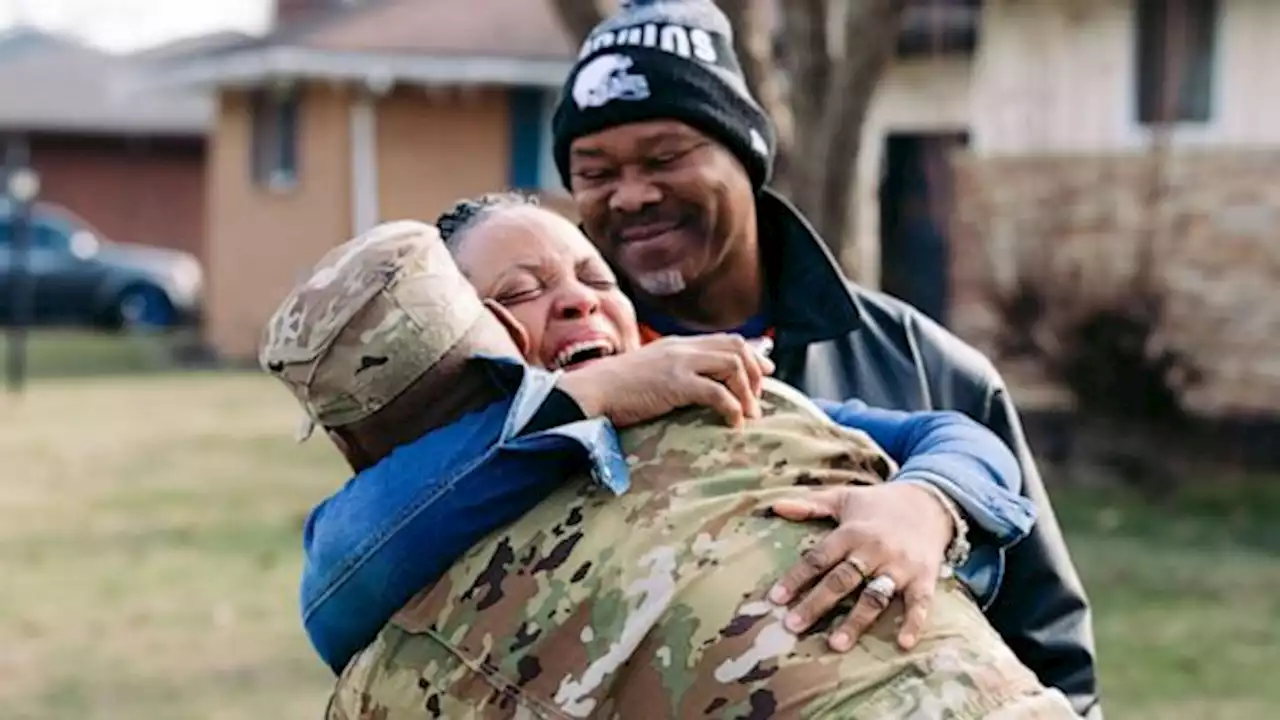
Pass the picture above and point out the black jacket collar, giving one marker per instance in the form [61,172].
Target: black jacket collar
[809,298]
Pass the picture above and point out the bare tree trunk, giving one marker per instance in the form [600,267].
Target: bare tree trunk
[870,35]
[807,66]
[578,16]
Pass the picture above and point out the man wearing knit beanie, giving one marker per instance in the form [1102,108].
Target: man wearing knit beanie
[667,157]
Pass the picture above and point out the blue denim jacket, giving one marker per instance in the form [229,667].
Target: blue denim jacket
[397,527]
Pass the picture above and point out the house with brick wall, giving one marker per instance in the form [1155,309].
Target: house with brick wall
[1084,131]
[128,160]
[1100,129]
[353,113]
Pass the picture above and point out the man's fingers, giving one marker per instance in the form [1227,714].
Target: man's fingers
[801,509]
[918,597]
[840,581]
[865,613]
[814,562]
[810,505]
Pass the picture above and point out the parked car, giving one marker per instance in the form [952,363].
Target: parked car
[79,277]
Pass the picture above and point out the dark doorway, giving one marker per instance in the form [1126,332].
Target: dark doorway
[915,212]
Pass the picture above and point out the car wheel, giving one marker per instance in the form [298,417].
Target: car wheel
[143,307]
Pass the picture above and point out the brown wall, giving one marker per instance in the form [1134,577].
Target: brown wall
[1215,245]
[143,190]
[260,240]
[436,148]
[432,148]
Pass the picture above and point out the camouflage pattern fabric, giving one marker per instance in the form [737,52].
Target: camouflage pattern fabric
[376,313]
[652,605]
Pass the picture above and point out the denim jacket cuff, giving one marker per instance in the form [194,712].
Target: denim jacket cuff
[1004,516]
[597,437]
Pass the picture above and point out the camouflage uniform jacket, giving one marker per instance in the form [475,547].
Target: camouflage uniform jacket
[651,605]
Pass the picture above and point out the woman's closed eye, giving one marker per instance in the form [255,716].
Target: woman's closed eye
[516,294]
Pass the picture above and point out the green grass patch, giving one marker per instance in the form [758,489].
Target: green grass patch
[150,535]
[81,353]
[1184,616]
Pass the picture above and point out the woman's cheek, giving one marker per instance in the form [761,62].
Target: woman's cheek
[532,317]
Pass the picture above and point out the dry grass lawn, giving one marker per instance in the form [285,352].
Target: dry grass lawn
[149,531]
[150,534]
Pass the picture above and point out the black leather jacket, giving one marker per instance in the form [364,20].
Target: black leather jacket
[835,340]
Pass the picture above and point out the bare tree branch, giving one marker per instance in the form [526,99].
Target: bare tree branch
[753,30]
[578,16]
[808,53]
[806,60]
[869,37]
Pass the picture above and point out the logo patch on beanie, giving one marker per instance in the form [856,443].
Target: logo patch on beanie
[605,79]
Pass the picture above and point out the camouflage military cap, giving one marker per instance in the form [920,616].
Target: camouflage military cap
[377,312]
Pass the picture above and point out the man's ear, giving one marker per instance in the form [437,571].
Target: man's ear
[518,334]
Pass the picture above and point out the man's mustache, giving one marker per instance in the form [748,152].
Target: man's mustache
[619,223]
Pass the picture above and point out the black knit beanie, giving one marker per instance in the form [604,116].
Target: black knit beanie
[664,60]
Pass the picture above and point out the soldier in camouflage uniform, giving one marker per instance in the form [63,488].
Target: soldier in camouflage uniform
[648,605]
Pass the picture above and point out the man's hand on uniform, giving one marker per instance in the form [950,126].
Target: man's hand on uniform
[898,531]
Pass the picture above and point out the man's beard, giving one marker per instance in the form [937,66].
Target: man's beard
[669,280]
[661,283]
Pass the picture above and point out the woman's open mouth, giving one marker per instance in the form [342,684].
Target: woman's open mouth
[579,353]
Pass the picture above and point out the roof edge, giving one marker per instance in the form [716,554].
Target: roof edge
[61,127]
[257,67]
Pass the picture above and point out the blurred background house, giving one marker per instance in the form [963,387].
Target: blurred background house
[1086,189]
[352,113]
[349,113]
[130,162]
[1003,131]
[1131,142]
[119,230]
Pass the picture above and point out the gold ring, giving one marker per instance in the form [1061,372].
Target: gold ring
[858,565]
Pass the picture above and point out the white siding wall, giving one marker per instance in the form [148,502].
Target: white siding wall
[1057,76]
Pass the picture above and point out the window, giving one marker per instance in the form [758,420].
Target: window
[49,235]
[40,234]
[531,165]
[931,28]
[525,115]
[1175,47]
[550,175]
[275,137]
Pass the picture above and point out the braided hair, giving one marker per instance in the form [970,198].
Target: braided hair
[469,212]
